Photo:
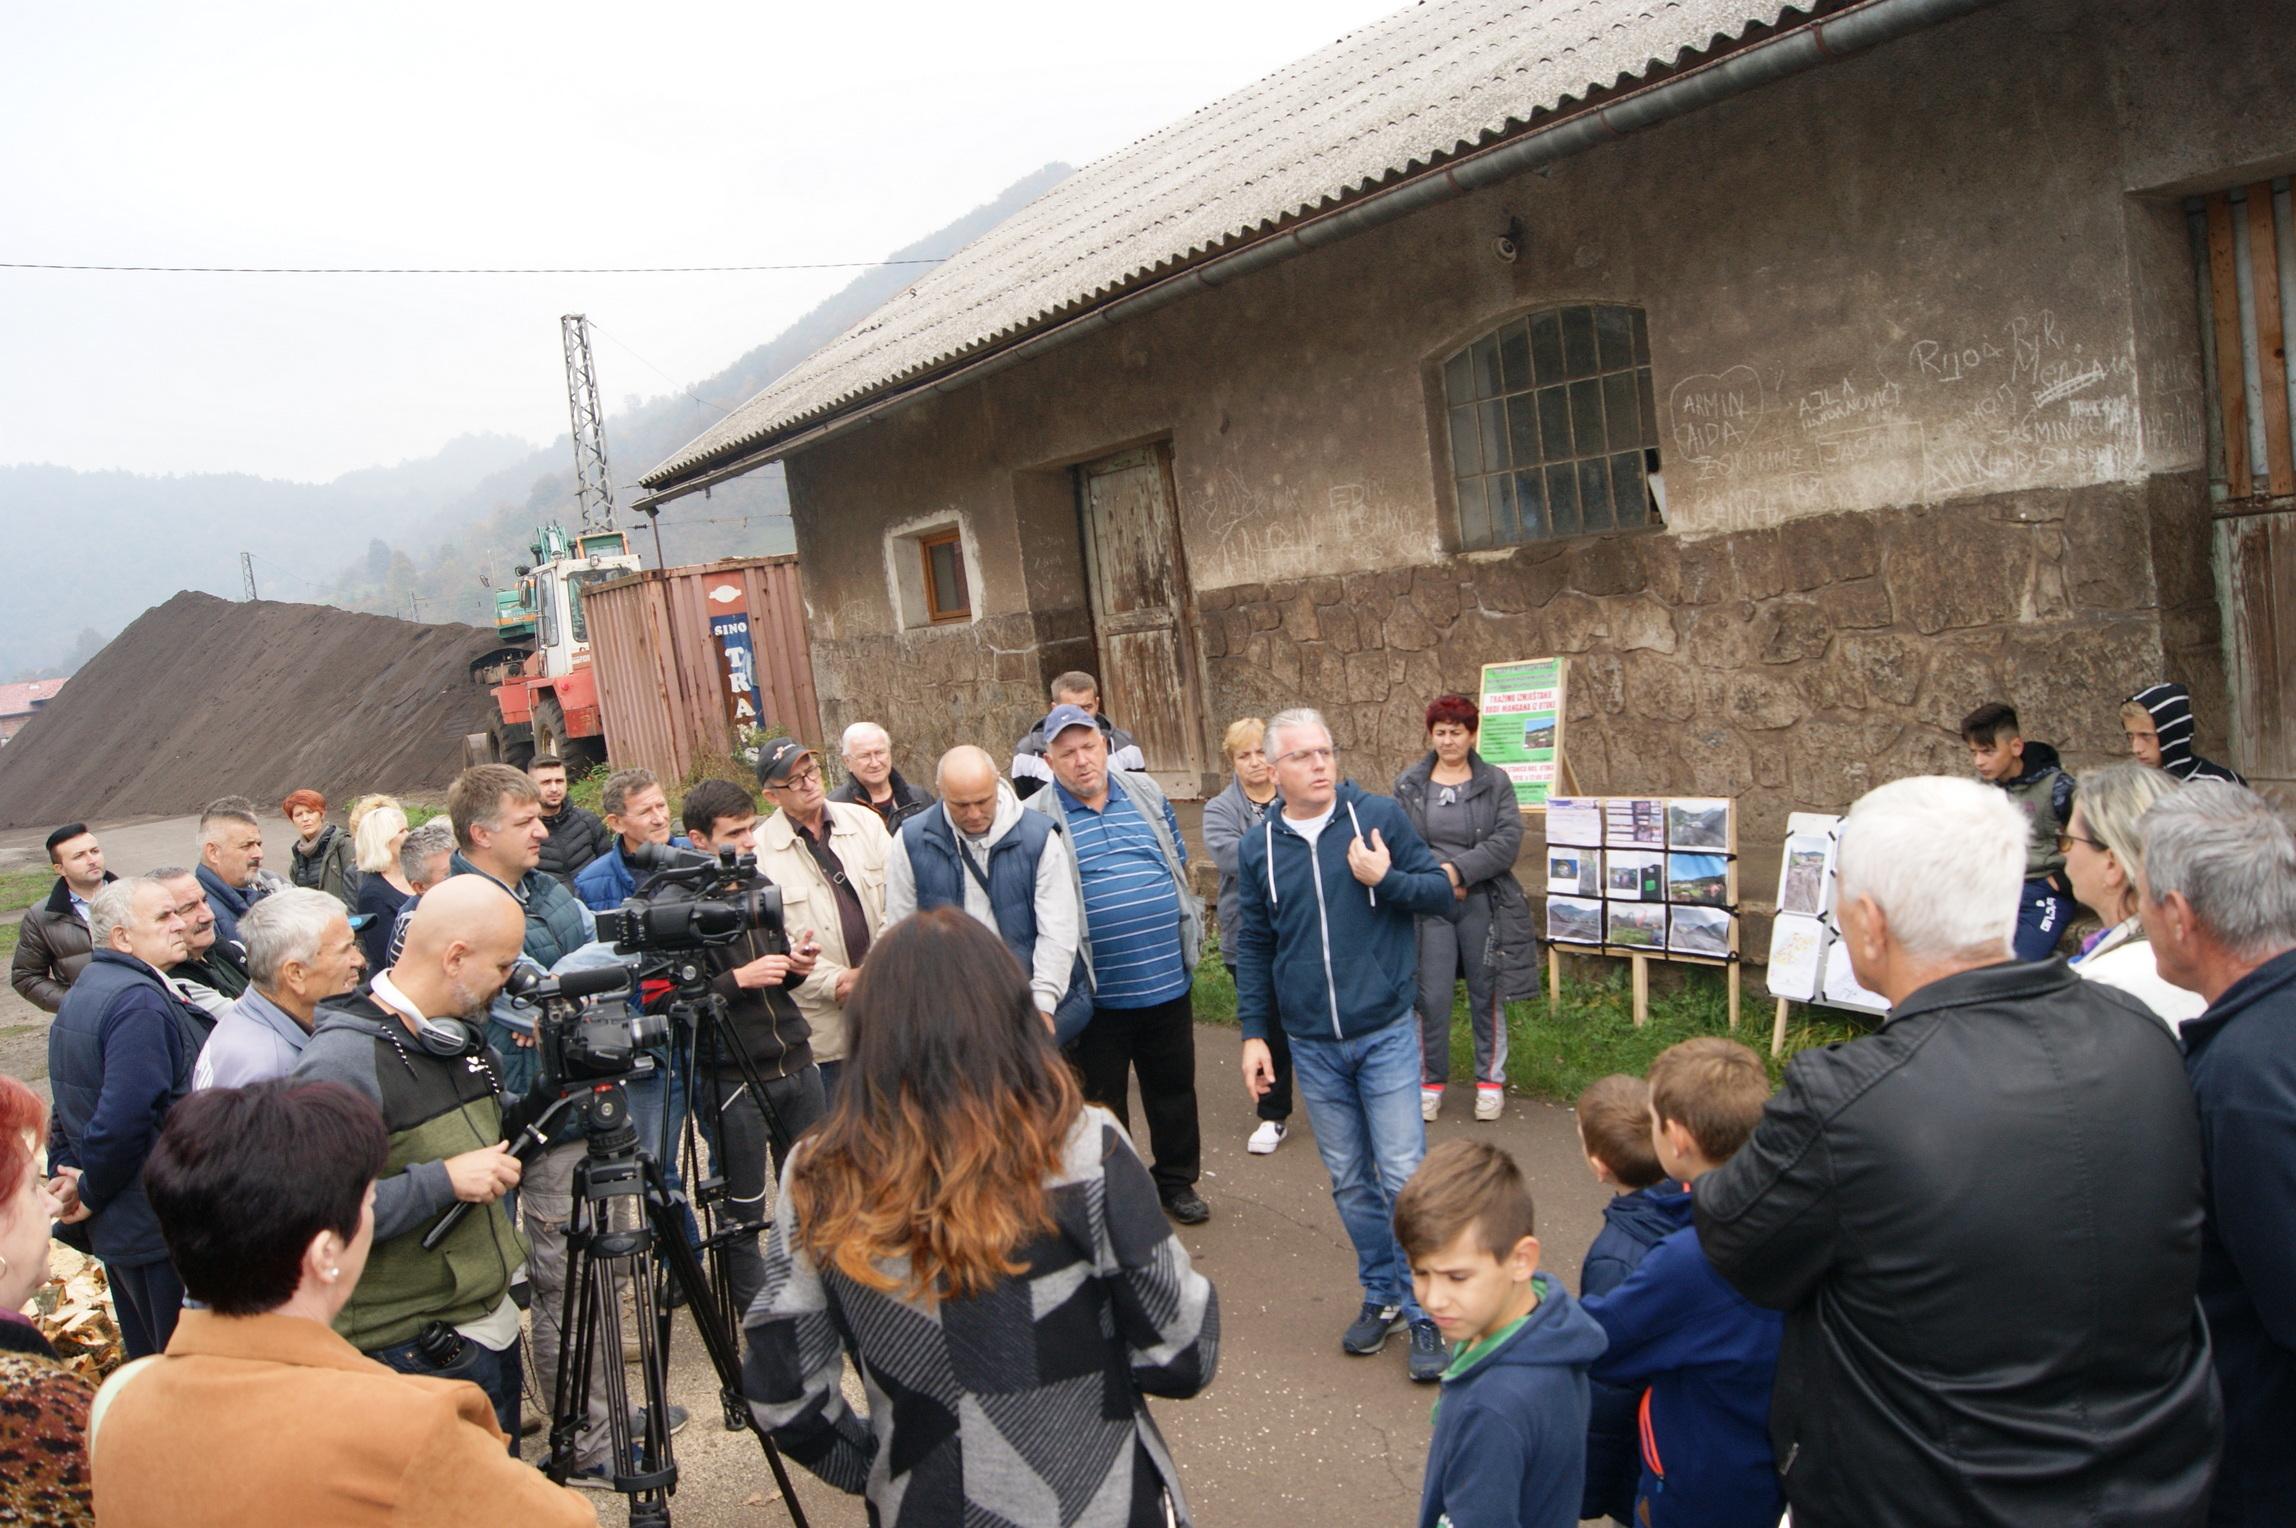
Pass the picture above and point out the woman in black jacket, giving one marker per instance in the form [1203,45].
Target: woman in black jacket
[1465,808]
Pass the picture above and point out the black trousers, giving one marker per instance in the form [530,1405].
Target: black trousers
[146,1297]
[1276,1103]
[738,1136]
[1159,1045]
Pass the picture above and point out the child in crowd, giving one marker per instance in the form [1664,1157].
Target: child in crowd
[2159,722]
[1707,1354]
[2042,790]
[1614,1132]
[1510,1423]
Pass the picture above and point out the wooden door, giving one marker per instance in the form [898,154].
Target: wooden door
[2256,566]
[1140,613]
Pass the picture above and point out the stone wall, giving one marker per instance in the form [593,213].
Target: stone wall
[935,687]
[1792,668]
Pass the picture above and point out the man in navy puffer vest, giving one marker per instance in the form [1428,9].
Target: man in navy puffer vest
[1007,867]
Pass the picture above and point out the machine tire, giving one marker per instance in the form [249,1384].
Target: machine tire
[549,731]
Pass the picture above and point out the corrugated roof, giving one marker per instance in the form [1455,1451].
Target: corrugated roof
[23,698]
[1414,89]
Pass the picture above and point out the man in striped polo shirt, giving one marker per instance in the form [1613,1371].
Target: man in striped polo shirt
[1143,931]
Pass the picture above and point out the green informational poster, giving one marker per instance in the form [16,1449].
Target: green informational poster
[1522,730]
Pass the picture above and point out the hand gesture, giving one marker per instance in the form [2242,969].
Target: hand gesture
[1368,858]
[844,984]
[765,971]
[65,1189]
[806,951]
[483,1176]
[1259,1068]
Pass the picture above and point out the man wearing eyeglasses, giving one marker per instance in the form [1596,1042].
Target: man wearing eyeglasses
[828,858]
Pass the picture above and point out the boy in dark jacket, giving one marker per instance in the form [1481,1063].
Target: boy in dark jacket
[1707,1354]
[1614,1132]
[2042,790]
[1509,1424]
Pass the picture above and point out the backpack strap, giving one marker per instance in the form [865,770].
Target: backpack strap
[120,1378]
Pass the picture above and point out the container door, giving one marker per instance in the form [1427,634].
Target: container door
[1141,614]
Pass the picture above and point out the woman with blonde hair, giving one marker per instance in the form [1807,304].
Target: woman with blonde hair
[988,1249]
[378,835]
[2104,858]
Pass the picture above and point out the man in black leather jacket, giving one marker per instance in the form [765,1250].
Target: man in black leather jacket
[1984,1222]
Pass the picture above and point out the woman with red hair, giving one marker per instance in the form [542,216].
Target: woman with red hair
[1464,806]
[990,1252]
[43,1405]
[324,858]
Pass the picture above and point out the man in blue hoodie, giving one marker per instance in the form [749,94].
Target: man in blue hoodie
[1326,946]
[1706,1352]
[1506,1451]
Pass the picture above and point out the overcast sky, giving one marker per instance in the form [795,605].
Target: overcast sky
[502,134]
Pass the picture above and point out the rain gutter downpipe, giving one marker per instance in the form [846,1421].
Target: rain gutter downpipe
[1749,68]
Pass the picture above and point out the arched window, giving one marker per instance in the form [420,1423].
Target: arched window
[1553,430]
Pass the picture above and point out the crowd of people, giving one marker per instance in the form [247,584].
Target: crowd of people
[2021,1255]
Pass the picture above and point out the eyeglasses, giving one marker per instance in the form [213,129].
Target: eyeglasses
[2065,842]
[798,782]
[1307,755]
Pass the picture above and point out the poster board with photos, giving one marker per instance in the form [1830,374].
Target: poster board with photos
[1808,961]
[1654,877]
[1523,703]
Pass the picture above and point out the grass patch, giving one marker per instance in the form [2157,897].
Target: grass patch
[8,939]
[1554,1053]
[22,888]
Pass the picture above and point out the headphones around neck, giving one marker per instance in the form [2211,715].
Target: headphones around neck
[446,1038]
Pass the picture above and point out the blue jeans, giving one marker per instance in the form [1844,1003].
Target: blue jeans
[1362,1099]
[2040,919]
[496,1373]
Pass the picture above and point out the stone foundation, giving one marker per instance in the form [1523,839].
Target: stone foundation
[936,687]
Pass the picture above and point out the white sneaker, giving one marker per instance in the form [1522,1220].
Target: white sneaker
[1430,1103]
[1489,1101]
[1267,1138]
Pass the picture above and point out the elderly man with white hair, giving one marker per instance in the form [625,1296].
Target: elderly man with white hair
[873,782]
[302,952]
[2219,907]
[1983,1222]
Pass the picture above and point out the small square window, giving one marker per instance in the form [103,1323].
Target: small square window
[946,597]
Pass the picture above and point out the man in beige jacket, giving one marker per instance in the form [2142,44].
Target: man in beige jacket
[828,858]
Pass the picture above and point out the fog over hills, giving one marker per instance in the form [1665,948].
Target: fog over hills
[92,550]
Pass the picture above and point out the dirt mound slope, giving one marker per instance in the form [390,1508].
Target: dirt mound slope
[201,697]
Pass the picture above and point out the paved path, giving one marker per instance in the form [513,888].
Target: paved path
[1292,1432]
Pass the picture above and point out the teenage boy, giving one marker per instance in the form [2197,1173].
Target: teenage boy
[1510,1422]
[1614,1132]
[1706,1353]
[2159,723]
[2040,788]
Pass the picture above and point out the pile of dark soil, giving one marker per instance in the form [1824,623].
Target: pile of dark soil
[201,697]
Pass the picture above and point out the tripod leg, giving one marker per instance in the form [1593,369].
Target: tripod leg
[682,1268]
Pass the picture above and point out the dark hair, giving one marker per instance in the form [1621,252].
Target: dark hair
[1990,723]
[1614,1122]
[953,1112]
[475,799]
[1712,1087]
[1455,709]
[241,1179]
[1464,1184]
[713,799]
[64,835]
[544,761]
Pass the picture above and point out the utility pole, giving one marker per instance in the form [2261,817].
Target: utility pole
[593,480]
[247,576]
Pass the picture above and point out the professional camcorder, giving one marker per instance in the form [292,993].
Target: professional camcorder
[573,1040]
[714,900]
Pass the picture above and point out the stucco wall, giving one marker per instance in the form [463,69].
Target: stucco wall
[1905,304]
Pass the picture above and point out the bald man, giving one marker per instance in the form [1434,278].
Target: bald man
[978,850]
[412,1044]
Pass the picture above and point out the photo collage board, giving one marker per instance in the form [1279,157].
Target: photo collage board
[1808,961]
[1644,875]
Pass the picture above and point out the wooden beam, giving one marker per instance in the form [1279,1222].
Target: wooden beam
[2231,382]
[2271,344]
[1778,1030]
[1641,990]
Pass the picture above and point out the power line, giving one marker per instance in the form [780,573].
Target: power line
[455,270]
[683,388]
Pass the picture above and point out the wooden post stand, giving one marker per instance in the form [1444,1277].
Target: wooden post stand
[1639,969]
[1778,1029]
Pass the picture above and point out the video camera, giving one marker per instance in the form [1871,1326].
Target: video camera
[720,898]
[572,1042]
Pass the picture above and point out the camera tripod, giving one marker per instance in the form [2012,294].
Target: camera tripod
[624,1221]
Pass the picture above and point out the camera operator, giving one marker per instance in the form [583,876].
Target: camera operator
[412,1046]
[755,975]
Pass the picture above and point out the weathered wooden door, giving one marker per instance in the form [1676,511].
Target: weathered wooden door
[2256,569]
[1141,613]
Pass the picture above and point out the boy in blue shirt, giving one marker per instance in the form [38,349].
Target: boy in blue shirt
[1510,1424]
[1707,1355]
[1614,1132]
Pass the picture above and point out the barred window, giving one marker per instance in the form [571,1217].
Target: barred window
[1553,427]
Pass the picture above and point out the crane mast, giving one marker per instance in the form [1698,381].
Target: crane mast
[593,481]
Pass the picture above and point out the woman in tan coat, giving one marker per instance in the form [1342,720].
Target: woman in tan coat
[258,1412]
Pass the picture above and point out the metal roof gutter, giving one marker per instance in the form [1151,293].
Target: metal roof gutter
[1757,64]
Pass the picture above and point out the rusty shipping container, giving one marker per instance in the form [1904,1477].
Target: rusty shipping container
[662,684]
